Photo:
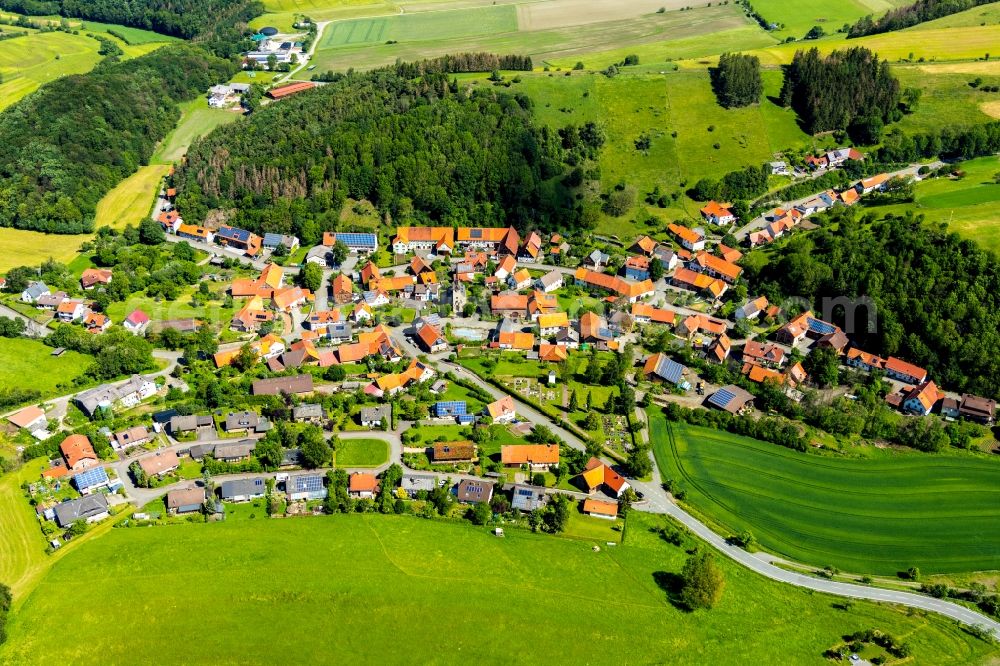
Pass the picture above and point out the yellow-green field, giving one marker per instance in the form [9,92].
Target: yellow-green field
[797,16]
[29,62]
[28,248]
[131,201]
[197,120]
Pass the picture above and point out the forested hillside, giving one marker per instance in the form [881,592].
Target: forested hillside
[421,151]
[918,12]
[938,296]
[64,147]
[180,18]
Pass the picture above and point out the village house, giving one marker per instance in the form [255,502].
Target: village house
[243,490]
[307,412]
[597,260]
[94,277]
[493,240]
[552,353]
[535,456]
[717,213]
[293,385]
[869,185]
[920,399]
[551,324]
[125,395]
[160,463]
[363,485]
[430,339]
[531,250]
[92,480]
[439,240]
[896,368]
[414,484]
[374,417]
[342,289]
[34,291]
[528,498]
[637,267]
[70,311]
[763,354]
[644,313]
[716,267]
[136,322]
[96,323]
[453,452]
[91,508]
[185,500]
[802,326]
[134,436]
[596,475]
[471,491]
[356,243]
[305,487]
[600,509]
[550,282]
[690,239]
[660,366]
[502,410]
[699,282]
[975,408]
[239,239]
[752,308]
[78,452]
[236,452]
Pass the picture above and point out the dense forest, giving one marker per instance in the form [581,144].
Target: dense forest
[737,81]
[421,151]
[937,295]
[840,90]
[904,17]
[65,146]
[187,19]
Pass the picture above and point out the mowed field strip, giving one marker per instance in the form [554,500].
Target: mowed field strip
[571,28]
[30,248]
[131,201]
[939,513]
[374,585]
[28,62]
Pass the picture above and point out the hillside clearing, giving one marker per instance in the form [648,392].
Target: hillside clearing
[132,199]
[29,364]
[29,248]
[197,120]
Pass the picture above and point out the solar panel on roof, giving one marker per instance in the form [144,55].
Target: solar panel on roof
[90,478]
[476,233]
[722,397]
[820,327]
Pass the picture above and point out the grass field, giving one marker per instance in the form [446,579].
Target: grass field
[197,120]
[361,44]
[361,453]
[292,590]
[939,513]
[131,201]
[214,313]
[135,36]
[29,62]
[798,16]
[26,363]
[29,248]
[947,98]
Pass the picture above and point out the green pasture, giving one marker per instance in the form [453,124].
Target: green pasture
[29,364]
[947,97]
[197,120]
[293,589]
[134,36]
[34,60]
[425,26]
[797,17]
[361,453]
[878,516]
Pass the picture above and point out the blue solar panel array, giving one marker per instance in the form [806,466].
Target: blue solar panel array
[90,478]
[721,398]
[450,408]
[232,233]
[820,327]
[671,371]
[466,419]
[307,483]
[475,233]
[351,239]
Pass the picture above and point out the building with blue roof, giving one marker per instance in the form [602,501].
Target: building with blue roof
[730,398]
[450,409]
[356,242]
[305,487]
[90,480]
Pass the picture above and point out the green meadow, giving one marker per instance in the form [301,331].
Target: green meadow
[289,591]
[197,120]
[29,364]
[880,516]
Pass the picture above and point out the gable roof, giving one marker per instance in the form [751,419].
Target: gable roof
[600,507]
[532,454]
[76,448]
[685,233]
[504,405]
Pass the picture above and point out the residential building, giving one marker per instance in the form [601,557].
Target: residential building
[342,289]
[240,239]
[439,240]
[716,267]
[237,452]
[752,308]
[430,339]
[91,508]
[305,487]
[296,384]
[637,267]
[134,436]
[550,281]
[95,277]
[699,282]
[600,509]
[494,240]
[764,354]
[975,408]
[373,417]
[920,399]
[718,213]
[357,243]
[503,410]
[185,500]
[136,322]
[91,480]
[528,498]
[449,409]
[896,368]
[70,311]
[272,241]
[597,260]
[362,485]
[690,239]
[454,452]
[869,185]
[644,313]
[730,398]
[535,456]
[160,463]
[33,292]
[472,491]
[78,452]
[596,475]
[243,490]
[413,484]
[520,279]
[550,324]
[552,353]
[802,326]
[308,412]
[124,395]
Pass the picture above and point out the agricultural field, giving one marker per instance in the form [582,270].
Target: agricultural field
[947,96]
[132,199]
[31,61]
[429,573]
[29,364]
[422,35]
[797,17]
[29,248]
[133,36]
[197,120]
[858,515]
[353,453]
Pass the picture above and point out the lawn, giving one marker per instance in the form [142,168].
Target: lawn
[880,516]
[131,200]
[30,248]
[197,120]
[361,453]
[562,601]
[29,364]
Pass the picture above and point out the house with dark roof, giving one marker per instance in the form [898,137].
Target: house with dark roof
[975,408]
[372,417]
[453,452]
[283,385]
[474,491]
[90,508]
[236,452]
[730,398]
[308,412]
[185,500]
[243,490]
[528,498]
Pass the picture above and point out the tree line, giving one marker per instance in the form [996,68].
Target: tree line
[65,146]
[448,64]
[841,89]
[424,151]
[186,19]
[909,15]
